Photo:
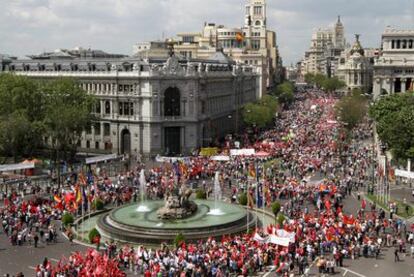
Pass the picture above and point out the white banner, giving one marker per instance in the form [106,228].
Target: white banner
[13,167]
[404,173]
[258,238]
[278,240]
[220,158]
[242,152]
[101,158]
[285,234]
[162,159]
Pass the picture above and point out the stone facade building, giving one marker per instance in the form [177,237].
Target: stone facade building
[151,106]
[325,50]
[356,67]
[253,44]
[394,68]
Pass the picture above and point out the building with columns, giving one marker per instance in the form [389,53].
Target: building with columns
[356,67]
[253,44]
[394,68]
[151,106]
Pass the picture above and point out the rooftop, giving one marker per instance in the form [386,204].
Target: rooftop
[75,53]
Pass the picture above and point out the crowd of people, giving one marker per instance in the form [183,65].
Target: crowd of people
[318,166]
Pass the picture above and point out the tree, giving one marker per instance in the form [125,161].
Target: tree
[179,239]
[270,102]
[93,235]
[67,219]
[68,113]
[318,80]
[31,110]
[275,208]
[281,219]
[243,199]
[98,204]
[309,78]
[21,116]
[284,92]
[332,84]
[260,113]
[394,117]
[352,109]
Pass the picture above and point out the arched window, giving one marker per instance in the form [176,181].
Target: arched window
[410,44]
[398,44]
[404,44]
[258,23]
[392,44]
[172,101]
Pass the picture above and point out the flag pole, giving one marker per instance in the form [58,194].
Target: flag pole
[264,200]
[257,191]
[82,212]
[248,212]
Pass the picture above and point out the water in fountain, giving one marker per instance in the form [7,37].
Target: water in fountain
[217,195]
[142,184]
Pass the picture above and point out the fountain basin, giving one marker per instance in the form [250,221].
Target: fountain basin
[125,224]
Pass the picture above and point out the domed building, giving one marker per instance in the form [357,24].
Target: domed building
[356,68]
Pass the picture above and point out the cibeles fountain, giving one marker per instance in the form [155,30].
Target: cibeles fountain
[177,206]
[155,221]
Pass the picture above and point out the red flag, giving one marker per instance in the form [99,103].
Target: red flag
[328,205]
[348,220]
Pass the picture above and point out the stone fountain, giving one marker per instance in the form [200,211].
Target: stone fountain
[177,205]
[156,221]
[142,185]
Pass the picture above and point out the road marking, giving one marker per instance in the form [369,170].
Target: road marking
[351,271]
[54,260]
[272,268]
[308,269]
[32,267]
[346,271]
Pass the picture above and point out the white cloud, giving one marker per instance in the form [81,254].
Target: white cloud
[32,26]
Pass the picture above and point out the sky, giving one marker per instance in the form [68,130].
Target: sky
[33,26]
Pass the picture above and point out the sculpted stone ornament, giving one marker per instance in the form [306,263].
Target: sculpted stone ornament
[172,66]
[190,69]
[177,205]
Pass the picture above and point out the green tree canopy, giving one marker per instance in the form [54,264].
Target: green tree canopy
[351,109]
[31,110]
[309,78]
[394,117]
[68,112]
[319,79]
[284,92]
[260,113]
[21,116]
[332,84]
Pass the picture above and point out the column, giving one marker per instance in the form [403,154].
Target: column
[403,85]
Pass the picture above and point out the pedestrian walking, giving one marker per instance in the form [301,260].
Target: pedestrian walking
[396,256]
[36,240]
